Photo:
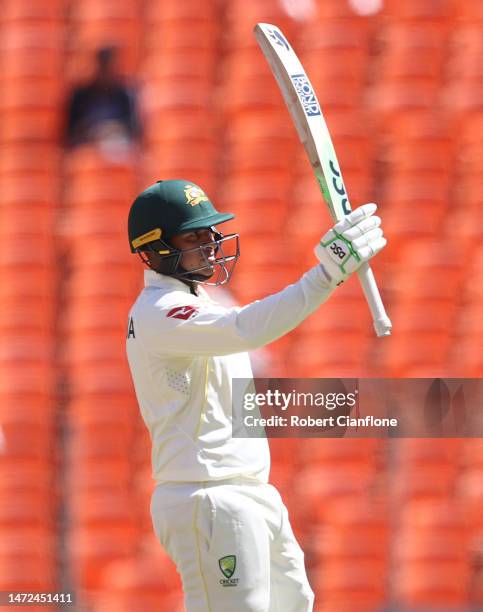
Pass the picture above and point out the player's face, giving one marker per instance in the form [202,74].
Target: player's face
[197,258]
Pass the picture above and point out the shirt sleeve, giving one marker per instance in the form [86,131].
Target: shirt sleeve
[196,327]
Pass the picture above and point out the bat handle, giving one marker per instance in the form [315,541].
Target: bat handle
[382,323]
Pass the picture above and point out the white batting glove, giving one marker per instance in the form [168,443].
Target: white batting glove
[351,241]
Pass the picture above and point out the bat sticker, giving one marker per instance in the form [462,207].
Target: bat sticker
[340,190]
[279,39]
[306,94]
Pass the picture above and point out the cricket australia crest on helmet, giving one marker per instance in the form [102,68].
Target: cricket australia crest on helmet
[195,195]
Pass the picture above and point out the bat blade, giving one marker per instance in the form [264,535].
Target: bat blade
[302,103]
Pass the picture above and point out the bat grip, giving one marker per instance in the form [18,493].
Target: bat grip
[382,323]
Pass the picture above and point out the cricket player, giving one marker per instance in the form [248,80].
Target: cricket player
[213,510]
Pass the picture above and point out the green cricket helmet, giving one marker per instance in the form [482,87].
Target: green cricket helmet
[173,207]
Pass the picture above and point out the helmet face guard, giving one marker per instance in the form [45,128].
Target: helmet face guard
[226,250]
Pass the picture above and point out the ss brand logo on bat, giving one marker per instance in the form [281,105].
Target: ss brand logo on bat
[340,189]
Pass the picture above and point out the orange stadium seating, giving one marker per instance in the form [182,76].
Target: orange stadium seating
[396,523]
[31,58]
[433,542]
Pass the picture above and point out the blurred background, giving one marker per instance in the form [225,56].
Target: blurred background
[100,98]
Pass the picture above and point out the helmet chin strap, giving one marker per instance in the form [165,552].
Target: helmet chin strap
[221,274]
[186,275]
[183,274]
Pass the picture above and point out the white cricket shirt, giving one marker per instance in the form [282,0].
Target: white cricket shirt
[184,350]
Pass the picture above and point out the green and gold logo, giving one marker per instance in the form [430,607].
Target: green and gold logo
[227,565]
[194,195]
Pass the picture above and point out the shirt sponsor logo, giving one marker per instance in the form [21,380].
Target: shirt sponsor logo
[183,312]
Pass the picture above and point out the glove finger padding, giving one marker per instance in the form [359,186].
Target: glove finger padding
[361,228]
[367,238]
[351,241]
[356,216]
[372,249]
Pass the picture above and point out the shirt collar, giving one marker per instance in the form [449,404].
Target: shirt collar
[154,279]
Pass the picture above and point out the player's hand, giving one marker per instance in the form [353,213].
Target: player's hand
[351,241]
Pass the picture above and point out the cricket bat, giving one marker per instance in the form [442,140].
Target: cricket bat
[304,107]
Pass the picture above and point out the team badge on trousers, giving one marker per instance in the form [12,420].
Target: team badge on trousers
[227,566]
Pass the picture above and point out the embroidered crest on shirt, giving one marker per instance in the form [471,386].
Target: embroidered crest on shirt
[183,312]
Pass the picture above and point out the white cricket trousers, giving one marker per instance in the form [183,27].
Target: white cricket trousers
[233,546]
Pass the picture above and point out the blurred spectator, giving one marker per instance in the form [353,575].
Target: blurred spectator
[104,110]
